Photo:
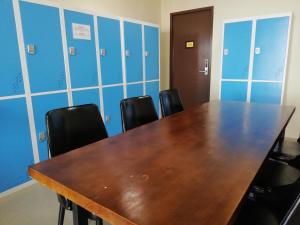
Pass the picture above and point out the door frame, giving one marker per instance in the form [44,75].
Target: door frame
[211,8]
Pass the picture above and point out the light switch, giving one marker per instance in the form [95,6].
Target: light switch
[226,51]
[257,51]
[72,51]
[31,49]
[42,136]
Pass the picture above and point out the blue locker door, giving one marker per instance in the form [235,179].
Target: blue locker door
[270,48]
[265,92]
[152,89]
[42,34]
[15,143]
[133,52]
[112,97]
[41,105]
[152,52]
[135,90]
[10,69]
[82,61]
[110,49]
[234,91]
[236,52]
[86,97]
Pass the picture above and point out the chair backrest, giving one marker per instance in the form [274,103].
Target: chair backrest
[170,102]
[137,111]
[73,127]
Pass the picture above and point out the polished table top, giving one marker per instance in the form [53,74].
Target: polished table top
[188,169]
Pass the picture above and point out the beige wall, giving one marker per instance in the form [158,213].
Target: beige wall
[134,9]
[231,9]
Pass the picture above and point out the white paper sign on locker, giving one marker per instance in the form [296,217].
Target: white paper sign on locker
[81,31]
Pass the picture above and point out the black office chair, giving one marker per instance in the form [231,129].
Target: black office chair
[137,111]
[70,128]
[275,208]
[274,173]
[170,102]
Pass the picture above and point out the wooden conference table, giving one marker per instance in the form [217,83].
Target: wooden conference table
[188,169]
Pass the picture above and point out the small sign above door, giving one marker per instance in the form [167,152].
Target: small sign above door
[189,44]
[81,31]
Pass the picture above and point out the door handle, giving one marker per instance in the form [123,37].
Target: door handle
[205,71]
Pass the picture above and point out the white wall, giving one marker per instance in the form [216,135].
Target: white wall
[230,9]
[134,9]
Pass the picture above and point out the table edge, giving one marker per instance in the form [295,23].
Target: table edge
[80,199]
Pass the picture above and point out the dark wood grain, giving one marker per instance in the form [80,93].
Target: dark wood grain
[188,169]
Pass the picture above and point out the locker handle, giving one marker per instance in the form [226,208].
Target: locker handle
[107,119]
[147,53]
[72,51]
[127,53]
[31,49]
[102,52]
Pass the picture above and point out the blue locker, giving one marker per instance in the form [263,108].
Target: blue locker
[262,92]
[110,47]
[112,97]
[234,91]
[270,44]
[83,63]
[133,51]
[152,89]
[15,143]
[86,97]
[42,34]
[134,90]
[41,105]
[236,52]
[152,52]
[10,69]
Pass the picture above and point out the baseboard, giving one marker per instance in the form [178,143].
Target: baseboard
[17,188]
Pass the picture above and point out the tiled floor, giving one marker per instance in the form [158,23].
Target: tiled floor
[34,205]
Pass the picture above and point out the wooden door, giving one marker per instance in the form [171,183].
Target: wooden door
[190,55]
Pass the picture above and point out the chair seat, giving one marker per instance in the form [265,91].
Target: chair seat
[276,173]
[254,213]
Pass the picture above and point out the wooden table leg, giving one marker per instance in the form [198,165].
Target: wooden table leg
[80,216]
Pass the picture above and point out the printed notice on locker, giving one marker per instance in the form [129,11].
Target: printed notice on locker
[81,31]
